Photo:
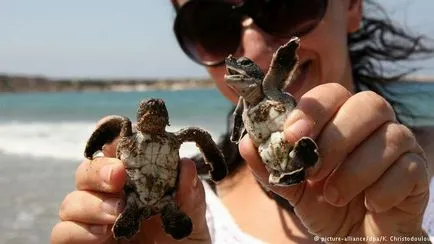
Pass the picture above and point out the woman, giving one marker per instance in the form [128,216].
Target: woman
[357,190]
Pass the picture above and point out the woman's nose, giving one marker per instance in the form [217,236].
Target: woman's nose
[257,45]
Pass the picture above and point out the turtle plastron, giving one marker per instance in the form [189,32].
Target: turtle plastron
[262,110]
[151,159]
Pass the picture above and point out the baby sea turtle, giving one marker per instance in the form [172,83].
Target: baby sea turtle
[151,159]
[262,109]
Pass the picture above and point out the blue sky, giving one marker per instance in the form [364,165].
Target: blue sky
[112,38]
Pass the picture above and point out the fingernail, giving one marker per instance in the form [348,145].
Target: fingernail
[299,129]
[106,173]
[332,194]
[112,206]
[98,229]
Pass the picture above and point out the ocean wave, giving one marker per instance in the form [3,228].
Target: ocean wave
[60,140]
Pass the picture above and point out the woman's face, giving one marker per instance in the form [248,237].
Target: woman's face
[323,53]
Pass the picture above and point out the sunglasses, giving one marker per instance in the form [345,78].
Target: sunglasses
[209,30]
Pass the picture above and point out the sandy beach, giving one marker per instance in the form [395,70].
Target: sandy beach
[31,191]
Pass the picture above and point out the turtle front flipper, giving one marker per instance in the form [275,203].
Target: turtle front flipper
[105,133]
[238,124]
[211,153]
[282,67]
[175,222]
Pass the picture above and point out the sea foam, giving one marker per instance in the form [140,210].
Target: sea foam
[60,140]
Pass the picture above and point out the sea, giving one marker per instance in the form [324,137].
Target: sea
[42,139]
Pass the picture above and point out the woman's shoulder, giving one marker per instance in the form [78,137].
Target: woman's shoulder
[425,137]
[428,219]
[221,225]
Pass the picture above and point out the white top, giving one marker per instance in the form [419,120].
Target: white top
[223,228]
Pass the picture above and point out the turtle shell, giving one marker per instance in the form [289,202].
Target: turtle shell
[152,163]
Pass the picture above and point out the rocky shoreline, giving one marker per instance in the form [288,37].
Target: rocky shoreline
[23,84]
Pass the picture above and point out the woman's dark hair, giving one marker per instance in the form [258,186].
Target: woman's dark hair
[379,49]
[375,51]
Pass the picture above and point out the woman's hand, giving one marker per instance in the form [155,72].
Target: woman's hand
[372,179]
[88,213]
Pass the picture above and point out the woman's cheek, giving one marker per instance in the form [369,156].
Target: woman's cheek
[217,74]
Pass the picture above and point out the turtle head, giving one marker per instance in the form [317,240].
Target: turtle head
[152,116]
[245,77]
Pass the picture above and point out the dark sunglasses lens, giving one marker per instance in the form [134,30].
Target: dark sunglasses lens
[207,31]
[286,18]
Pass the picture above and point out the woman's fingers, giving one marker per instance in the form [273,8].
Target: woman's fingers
[359,117]
[91,207]
[339,121]
[101,174]
[404,186]
[367,163]
[90,215]
[68,232]
[400,197]
[315,108]
[313,111]
[375,165]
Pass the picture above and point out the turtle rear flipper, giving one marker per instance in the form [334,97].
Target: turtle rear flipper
[128,222]
[105,133]
[211,153]
[287,179]
[305,153]
[175,222]
[303,156]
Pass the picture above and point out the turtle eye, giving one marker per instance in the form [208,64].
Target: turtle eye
[244,61]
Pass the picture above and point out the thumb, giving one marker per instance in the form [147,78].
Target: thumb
[191,199]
